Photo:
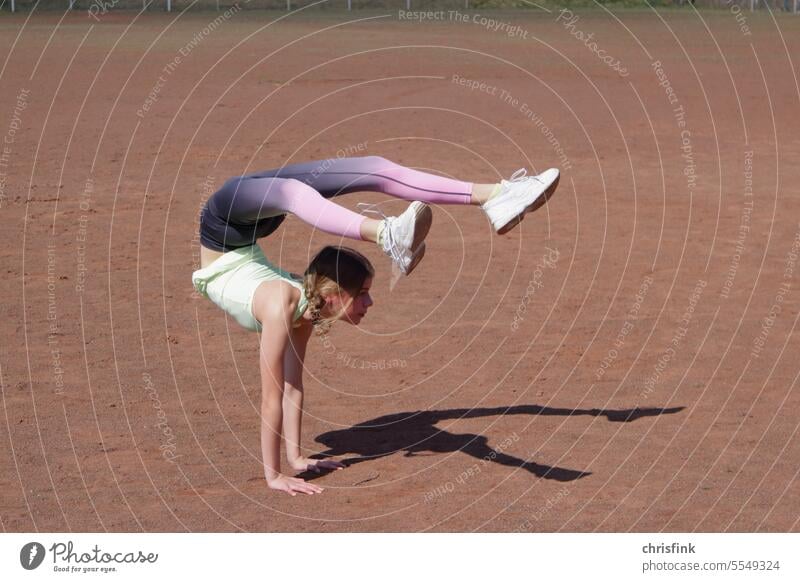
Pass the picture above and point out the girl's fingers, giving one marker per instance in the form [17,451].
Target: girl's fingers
[303,487]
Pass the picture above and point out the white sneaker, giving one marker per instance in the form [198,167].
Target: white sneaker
[403,237]
[519,195]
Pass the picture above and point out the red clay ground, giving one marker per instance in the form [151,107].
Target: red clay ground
[479,351]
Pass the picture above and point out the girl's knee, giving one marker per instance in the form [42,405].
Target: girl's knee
[293,183]
[378,161]
[280,186]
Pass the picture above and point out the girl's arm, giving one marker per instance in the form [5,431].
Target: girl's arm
[293,360]
[275,314]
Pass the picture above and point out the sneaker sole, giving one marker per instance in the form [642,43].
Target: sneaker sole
[417,257]
[422,224]
[540,201]
[423,219]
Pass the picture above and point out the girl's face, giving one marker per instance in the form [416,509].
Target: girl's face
[358,308]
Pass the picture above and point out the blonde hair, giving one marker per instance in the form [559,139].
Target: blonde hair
[332,271]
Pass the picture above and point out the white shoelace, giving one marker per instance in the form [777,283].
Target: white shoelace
[521,175]
[389,244]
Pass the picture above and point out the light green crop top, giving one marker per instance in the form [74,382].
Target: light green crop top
[231,281]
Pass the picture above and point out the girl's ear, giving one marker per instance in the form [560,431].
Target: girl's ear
[328,303]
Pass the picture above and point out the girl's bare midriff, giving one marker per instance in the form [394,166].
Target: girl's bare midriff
[208,256]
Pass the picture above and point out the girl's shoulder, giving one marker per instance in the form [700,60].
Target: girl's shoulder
[277,297]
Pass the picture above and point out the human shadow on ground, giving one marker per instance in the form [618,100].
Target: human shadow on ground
[416,433]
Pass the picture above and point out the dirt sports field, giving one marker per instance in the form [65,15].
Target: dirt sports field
[625,360]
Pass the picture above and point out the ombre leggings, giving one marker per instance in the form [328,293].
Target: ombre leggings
[250,207]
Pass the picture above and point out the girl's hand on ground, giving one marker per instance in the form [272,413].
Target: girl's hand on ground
[316,465]
[293,485]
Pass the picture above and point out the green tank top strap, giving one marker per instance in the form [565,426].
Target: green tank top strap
[302,305]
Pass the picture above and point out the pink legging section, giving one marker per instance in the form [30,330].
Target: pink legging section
[304,190]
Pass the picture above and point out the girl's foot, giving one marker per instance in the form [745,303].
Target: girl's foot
[518,196]
[403,237]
